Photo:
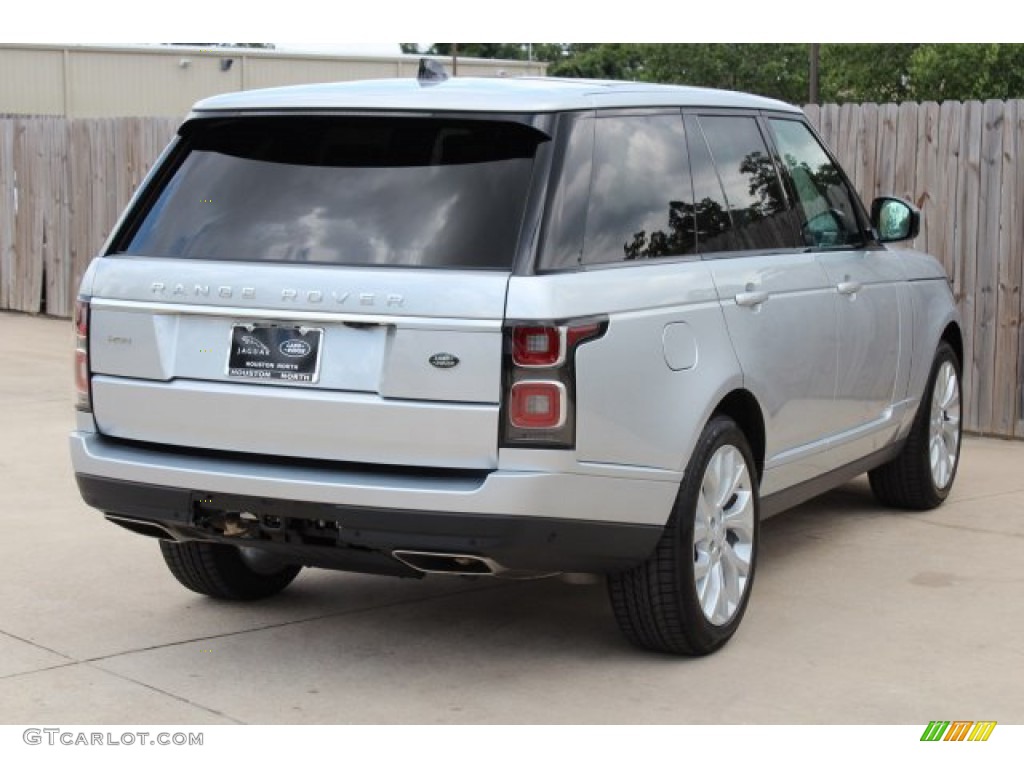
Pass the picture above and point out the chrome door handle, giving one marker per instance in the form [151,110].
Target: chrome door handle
[751,298]
[848,287]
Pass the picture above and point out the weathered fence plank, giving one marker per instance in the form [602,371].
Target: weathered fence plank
[79,165]
[885,151]
[107,180]
[830,124]
[28,221]
[965,258]
[849,130]
[905,179]
[927,174]
[57,213]
[867,146]
[813,112]
[1018,254]
[990,242]
[944,192]
[8,205]
[1006,378]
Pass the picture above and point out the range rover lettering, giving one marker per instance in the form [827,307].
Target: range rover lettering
[508,328]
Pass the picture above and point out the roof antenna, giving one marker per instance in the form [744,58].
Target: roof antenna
[431,72]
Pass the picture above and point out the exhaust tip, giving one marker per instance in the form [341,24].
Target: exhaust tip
[142,527]
[441,562]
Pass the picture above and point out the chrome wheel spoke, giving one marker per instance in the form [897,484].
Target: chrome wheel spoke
[723,534]
[736,471]
[701,535]
[738,558]
[707,589]
[739,519]
[719,589]
[944,425]
[951,434]
[713,480]
[701,566]
[733,578]
[701,523]
[948,392]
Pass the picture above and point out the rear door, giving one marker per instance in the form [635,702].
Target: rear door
[317,287]
[872,303]
[778,304]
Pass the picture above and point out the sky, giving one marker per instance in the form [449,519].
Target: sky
[638,21]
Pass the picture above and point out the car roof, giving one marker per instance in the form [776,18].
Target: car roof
[468,94]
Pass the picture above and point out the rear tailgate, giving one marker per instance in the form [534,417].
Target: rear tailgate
[394,366]
[316,286]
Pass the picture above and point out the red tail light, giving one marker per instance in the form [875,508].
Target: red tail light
[83,398]
[536,347]
[539,408]
[537,405]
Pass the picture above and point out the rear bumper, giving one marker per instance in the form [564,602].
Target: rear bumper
[352,519]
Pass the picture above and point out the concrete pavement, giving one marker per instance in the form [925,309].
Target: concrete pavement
[859,614]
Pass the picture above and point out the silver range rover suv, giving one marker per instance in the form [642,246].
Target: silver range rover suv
[509,328]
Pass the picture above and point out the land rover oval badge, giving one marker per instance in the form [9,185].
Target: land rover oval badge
[444,360]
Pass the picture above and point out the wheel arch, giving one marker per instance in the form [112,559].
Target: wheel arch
[953,336]
[742,407]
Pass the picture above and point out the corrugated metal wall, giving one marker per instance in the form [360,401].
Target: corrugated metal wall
[76,81]
[31,81]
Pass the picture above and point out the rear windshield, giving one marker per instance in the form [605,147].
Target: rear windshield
[401,191]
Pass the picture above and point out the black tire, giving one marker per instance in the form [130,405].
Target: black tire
[908,481]
[221,571]
[656,604]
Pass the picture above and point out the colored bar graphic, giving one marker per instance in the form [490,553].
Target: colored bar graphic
[982,730]
[958,730]
[935,730]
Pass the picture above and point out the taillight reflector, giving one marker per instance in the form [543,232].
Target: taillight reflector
[83,398]
[536,347]
[576,334]
[537,405]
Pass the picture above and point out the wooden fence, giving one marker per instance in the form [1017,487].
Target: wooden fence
[63,184]
[963,165]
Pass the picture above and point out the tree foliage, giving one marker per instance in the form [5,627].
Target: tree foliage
[548,52]
[879,72]
[778,70]
[967,71]
[602,61]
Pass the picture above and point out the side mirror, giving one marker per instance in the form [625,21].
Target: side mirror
[895,219]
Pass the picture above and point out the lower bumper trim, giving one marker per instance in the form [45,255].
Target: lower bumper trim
[357,538]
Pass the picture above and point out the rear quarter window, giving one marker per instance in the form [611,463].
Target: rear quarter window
[622,194]
[641,199]
[405,191]
[741,204]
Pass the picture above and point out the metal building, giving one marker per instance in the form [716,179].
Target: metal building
[141,80]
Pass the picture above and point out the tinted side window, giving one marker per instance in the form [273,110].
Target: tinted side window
[713,222]
[641,199]
[828,216]
[567,209]
[759,212]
